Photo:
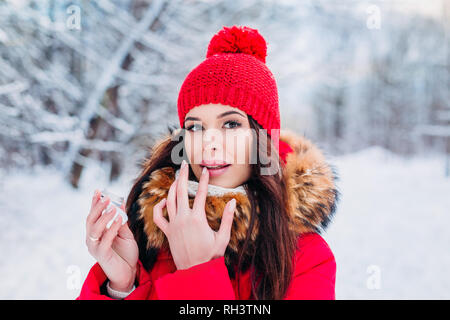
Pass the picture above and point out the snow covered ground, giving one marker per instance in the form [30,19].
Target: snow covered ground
[389,236]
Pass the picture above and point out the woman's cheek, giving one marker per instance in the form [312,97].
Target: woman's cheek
[244,145]
[235,147]
[193,148]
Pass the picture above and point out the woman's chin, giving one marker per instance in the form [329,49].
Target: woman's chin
[223,182]
[223,179]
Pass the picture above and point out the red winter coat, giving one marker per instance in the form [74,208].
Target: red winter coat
[314,278]
[311,203]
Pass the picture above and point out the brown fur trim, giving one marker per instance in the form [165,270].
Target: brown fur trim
[312,194]
[312,197]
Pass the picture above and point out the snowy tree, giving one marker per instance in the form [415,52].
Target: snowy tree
[94,83]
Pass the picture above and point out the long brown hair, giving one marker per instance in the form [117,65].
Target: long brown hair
[273,254]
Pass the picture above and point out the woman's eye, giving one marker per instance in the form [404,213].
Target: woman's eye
[194,127]
[232,124]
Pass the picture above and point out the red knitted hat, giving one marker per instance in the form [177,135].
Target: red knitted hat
[234,73]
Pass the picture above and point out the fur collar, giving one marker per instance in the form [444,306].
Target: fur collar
[312,197]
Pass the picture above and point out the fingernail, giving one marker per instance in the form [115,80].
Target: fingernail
[113,220]
[233,204]
[204,170]
[183,164]
[109,224]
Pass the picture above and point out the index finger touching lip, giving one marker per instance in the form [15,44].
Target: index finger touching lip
[182,192]
[200,197]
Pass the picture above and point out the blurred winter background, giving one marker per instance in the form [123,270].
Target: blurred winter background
[87,86]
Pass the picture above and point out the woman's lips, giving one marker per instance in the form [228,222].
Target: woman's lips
[217,172]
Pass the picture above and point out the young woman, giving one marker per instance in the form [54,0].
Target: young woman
[239,217]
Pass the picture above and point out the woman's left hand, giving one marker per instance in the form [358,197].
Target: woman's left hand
[191,239]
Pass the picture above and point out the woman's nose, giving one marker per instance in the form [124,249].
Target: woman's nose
[212,139]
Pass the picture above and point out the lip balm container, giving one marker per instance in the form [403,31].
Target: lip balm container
[117,202]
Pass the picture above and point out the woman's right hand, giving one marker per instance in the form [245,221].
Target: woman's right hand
[116,250]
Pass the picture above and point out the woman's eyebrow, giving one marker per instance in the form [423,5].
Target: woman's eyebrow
[229,112]
[191,118]
[218,117]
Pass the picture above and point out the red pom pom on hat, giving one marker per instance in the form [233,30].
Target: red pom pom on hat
[238,39]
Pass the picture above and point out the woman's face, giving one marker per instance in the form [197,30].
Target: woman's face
[218,137]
